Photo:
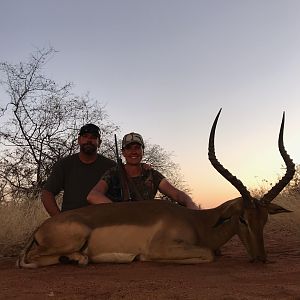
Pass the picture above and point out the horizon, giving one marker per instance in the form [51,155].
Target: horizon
[171,65]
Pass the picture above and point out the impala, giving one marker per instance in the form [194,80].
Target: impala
[157,230]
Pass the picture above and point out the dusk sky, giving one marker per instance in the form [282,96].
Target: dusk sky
[163,68]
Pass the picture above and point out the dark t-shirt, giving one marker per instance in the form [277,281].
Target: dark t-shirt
[76,179]
[146,184]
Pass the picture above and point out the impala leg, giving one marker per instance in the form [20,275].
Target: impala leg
[40,256]
[76,258]
[179,253]
[42,260]
[118,257]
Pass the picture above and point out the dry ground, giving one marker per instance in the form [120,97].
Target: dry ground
[231,276]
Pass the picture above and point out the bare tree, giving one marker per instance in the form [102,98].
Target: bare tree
[293,188]
[42,122]
[161,160]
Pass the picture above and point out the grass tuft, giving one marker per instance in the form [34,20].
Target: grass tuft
[18,220]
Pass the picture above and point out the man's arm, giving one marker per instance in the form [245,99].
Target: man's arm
[97,194]
[49,202]
[169,190]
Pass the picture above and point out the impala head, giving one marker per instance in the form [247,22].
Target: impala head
[250,214]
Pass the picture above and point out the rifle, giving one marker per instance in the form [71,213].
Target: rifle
[122,175]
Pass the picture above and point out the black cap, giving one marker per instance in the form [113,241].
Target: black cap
[90,128]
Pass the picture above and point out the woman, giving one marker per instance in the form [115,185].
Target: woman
[137,182]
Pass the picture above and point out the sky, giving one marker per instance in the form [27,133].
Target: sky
[164,68]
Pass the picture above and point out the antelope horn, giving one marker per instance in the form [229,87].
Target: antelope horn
[290,170]
[224,172]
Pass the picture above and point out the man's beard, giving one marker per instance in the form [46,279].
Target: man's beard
[88,149]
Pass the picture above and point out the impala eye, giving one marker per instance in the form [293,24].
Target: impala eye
[221,221]
[243,221]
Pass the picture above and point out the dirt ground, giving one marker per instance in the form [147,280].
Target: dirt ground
[231,276]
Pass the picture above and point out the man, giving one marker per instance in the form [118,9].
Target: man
[139,183]
[76,174]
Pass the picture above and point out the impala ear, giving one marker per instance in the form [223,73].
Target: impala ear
[276,209]
[229,209]
[232,207]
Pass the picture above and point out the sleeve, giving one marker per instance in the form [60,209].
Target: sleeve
[55,182]
[157,178]
[109,175]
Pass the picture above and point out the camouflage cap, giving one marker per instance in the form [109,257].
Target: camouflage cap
[131,138]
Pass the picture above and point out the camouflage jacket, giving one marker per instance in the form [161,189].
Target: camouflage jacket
[146,185]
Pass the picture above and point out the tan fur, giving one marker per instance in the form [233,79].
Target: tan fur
[147,231]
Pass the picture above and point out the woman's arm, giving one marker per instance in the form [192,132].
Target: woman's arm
[169,190]
[97,194]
